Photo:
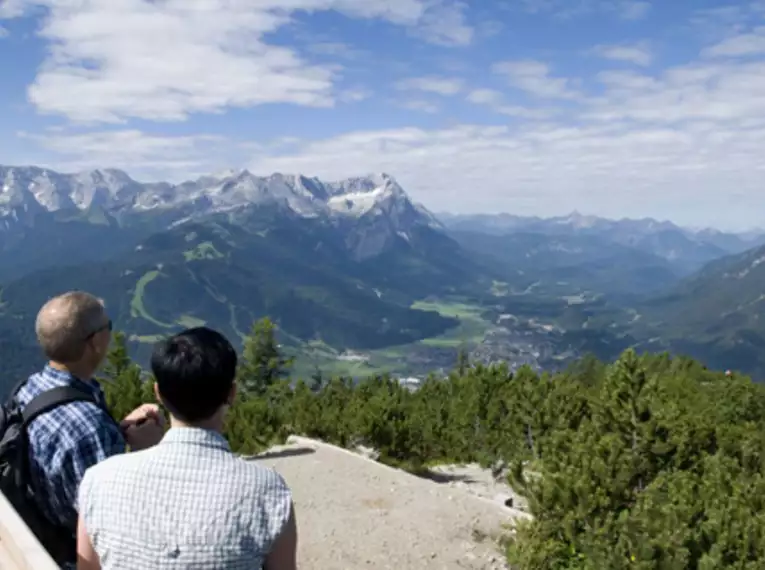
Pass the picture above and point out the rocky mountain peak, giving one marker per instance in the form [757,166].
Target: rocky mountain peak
[32,189]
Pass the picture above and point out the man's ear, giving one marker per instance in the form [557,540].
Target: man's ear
[157,394]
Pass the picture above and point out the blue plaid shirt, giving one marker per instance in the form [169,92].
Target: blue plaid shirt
[64,442]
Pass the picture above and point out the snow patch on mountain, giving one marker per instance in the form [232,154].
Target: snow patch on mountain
[31,188]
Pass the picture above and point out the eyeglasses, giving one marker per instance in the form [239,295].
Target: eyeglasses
[108,325]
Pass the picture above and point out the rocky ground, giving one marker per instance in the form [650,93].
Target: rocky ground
[473,479]
[355,513]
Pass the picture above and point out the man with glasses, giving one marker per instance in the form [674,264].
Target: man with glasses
[74,332]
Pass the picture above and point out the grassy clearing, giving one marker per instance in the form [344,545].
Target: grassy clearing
[471,329]
[306,363]
[137,308]
[146,339]
[189,321]
[204,250]
[316,353]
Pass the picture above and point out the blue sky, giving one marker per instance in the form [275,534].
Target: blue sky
[611,107]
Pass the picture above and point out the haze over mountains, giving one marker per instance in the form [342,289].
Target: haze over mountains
[350,266]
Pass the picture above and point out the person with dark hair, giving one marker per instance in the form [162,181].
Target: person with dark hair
[188,502]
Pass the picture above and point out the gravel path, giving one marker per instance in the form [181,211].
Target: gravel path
[354,513]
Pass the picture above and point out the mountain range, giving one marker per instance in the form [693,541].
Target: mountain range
[344,267]
[687,250]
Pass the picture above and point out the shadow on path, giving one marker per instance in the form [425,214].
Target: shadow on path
[279,453]
[440,477]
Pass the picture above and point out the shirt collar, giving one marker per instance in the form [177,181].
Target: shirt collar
[58,377]
[195,436]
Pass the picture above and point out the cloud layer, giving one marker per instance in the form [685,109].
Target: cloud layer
[121,59]
[623,134]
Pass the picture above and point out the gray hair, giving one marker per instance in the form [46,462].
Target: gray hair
[65,323]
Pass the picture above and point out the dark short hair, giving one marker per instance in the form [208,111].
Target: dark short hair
[195,370]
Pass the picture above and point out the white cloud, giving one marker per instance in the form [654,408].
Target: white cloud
[638,53]
[485,97]
[685,142]
[12,8]
[752,43]
[496,101]
[431,84]
[157,157]
[109,61]
[613,169]
[445,25]
[534,77]
[420,105]
[732,94]
[3,32]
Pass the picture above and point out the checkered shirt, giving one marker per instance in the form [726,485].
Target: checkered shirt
[64,442]
[188,502]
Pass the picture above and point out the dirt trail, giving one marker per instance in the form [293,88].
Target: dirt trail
[354,513]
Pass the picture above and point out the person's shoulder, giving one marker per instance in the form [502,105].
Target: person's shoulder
[115,466]
[88,418]
[266,478]
[102,478]
[27,389]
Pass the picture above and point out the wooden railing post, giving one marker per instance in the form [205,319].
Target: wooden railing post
[19,548]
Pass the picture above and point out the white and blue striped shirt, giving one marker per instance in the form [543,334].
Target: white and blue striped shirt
[187,503]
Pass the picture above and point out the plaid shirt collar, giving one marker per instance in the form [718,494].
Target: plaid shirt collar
[53,377]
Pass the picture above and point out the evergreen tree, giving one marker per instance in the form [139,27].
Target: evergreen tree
[651,462]
[463,361]
[118,358]
[317,380]
[263,363]
[124,386]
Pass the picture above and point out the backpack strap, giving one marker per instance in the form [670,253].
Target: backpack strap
[51,399]
[11,402]
[18,386]
[44,402]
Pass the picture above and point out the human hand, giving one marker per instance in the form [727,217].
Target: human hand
[141,414]
[143,435]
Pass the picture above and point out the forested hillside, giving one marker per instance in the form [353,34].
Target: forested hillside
[649,462]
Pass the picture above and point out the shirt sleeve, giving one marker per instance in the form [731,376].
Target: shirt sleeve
[277,503]
[104,439]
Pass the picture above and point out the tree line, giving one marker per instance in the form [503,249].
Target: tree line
[649,462]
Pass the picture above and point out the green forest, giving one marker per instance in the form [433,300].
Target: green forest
[649,462]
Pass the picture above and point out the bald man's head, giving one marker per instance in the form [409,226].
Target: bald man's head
[65,324]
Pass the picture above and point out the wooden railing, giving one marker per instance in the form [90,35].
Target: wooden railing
[19,548]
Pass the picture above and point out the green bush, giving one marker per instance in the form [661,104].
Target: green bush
[650,462]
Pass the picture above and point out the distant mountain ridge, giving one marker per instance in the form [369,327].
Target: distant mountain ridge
[689,250]
[29,190]
[503,223]
[343,266]
[106,211]
[717,314]
[338,265]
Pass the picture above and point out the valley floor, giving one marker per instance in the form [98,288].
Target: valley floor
[353,512]
[487,334]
